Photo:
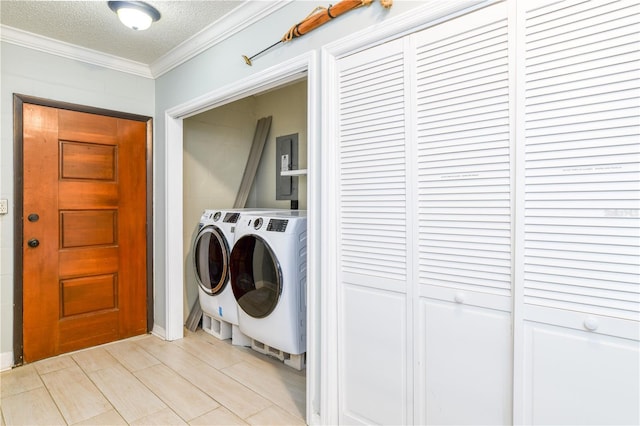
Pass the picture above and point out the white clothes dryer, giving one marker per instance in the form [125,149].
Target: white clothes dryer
[211,252]
[268,277]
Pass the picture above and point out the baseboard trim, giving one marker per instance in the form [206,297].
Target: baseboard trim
[6,360]
[159,332]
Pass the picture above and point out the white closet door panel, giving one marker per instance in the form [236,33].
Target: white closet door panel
[577,377]
[463,155]
[465,376]
[582,159]
[372,163]
[373,356]
[373,249]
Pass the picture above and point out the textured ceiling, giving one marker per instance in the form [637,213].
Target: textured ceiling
[91,24]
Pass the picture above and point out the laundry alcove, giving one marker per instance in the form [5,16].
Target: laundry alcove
[216,147]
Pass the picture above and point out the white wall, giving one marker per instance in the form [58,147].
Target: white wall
[33,73]
[216,148]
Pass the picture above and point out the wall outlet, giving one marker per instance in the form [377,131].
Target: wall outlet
[4,206]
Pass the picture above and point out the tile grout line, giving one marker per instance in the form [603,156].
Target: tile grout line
[220,404]
[265,396]
[44,384]
[180,375]
[143,384]
[98,388]
[86,373]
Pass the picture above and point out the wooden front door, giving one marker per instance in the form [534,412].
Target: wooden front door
[84,252]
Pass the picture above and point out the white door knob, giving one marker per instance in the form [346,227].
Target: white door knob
[591,323]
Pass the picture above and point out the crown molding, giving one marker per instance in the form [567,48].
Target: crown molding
[235,21]
[72,51]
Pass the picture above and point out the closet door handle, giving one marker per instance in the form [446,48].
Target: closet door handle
[591,323]
[33,243]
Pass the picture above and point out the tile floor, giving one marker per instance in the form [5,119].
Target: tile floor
[198,380]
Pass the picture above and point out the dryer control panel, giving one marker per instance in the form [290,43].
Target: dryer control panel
[231,218]
[277,225]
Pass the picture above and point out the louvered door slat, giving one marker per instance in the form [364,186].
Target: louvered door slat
[372,163]
[582,158]
[463,159]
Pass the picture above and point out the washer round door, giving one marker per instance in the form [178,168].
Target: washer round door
[256,277]
[211,257]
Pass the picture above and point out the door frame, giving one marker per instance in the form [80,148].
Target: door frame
[292,70]
[18,186]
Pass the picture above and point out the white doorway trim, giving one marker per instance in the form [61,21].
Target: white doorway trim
[295,69]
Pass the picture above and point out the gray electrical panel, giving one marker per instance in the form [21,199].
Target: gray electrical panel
[286,160]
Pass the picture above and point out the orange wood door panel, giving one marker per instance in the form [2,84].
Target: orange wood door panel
[40,264]
[132,227]
[87,161]
[87,228]
[85,282]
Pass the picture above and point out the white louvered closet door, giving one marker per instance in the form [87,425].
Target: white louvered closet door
[463,178]
[372,258]
[580,169]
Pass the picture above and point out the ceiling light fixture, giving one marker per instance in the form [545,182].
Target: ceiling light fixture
[136,15]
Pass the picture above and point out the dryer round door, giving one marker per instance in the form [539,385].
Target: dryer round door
[211,257]
[256,277]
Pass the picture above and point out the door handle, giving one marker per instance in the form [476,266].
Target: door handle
[33,217]
[33,243]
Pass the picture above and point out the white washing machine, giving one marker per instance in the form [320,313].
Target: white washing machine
[269,276]
[211,253]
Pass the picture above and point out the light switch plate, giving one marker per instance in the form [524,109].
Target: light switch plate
[4,206]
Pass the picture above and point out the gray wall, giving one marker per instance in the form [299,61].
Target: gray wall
[33,73]
[222,65]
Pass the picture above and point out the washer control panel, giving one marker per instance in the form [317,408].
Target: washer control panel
[277,225]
